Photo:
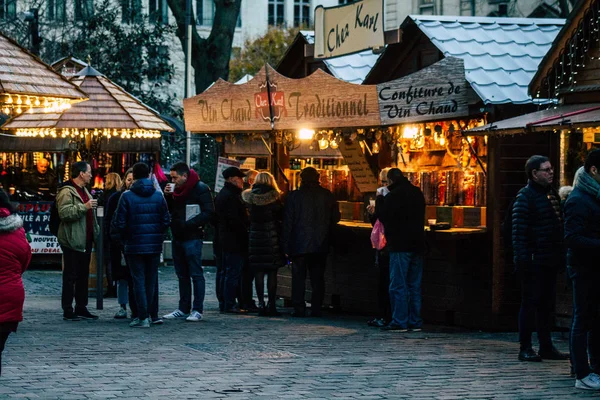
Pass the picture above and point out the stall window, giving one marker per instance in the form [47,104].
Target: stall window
[131,11]
[426,7]
[57,10]
[158,11]
[8,9]
[302,13]
[84,9]
[276,12]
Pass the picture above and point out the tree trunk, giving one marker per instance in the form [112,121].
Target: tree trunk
[210,56]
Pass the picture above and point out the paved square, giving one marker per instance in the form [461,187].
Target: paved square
[250,357]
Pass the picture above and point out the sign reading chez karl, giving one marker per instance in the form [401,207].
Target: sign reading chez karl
[349,28]
[434,93]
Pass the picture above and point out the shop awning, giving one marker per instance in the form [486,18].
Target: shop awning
[559,117]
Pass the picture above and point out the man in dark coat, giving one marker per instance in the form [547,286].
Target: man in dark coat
[42,181]
[310,213]
[191,207]
[233,226]
[402,212]
[140,222]
[537,239]
[582,236]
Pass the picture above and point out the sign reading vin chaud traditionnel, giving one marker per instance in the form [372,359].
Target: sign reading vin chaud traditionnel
[434,93]
[348,29]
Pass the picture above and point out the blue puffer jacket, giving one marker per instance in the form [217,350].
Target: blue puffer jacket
[537,232]
[141,219]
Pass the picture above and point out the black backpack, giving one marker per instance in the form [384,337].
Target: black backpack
[54,219]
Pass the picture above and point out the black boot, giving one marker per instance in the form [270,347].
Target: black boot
[528,354]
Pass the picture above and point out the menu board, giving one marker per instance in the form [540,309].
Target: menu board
[359,166]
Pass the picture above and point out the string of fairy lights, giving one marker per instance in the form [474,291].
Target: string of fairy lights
[563,75]
[64,133]
[18,104]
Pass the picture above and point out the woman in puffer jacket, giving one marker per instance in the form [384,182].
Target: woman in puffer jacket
[15,255]
[264,250]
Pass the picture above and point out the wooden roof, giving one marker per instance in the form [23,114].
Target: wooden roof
[23,73]
[109,107]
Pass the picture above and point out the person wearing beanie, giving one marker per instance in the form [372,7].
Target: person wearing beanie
[233,224]
[310,212]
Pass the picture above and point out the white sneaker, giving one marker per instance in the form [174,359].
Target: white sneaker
[195,316]
[141,323]
[590,382]
[176,314]
[121,314]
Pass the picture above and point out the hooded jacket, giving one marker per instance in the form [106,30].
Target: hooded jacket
[402,213]
[266,215]
[142,219]
[309,215]
[72,232]
[582,224]
[15,255]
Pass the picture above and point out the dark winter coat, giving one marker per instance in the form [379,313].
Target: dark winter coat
[233,222]
[15,255]
[115,248]
[193,229]
[537,232]
[310,213]
[582,229]
[266,215]
[141,219]
[402,213]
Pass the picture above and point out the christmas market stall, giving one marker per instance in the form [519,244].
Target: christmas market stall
[112,131]
[565,130]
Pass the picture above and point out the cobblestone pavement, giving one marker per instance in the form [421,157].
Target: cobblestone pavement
[249,357]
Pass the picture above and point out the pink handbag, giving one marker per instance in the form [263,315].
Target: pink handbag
[378,236]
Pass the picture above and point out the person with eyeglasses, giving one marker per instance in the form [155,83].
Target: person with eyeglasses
[538,251]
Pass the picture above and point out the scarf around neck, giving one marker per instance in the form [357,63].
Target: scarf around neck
[586,183]
[182,192]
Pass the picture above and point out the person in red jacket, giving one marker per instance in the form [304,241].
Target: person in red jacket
[15,255]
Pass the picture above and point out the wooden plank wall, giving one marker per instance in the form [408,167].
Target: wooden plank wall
[508,155]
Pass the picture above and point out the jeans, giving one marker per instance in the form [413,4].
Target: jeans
[315,264]
[406,272]
[233,265]
[586,326]
[246,287]
[144,271]
[383,293]
[187,257]
[538,293]
[3,339]
[76,272]
[220,281]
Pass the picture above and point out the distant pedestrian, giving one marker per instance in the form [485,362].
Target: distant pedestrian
[250,178]
[121,274]
[402,212]
[538,246]
[112,185]
[247,272]
[15,255]
[233,224]
[76,233]
[384,315]
[264,252]
[309,215]
[141,221]
[582,236]
[192,208]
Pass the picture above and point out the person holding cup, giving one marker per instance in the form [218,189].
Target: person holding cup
[77,231]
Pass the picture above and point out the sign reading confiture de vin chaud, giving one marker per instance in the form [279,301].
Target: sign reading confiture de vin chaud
[349,28]
[434,93]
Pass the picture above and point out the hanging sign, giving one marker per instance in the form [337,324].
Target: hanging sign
[359,166]
[36,222]
[435,93]
[348,29]
[222,165]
